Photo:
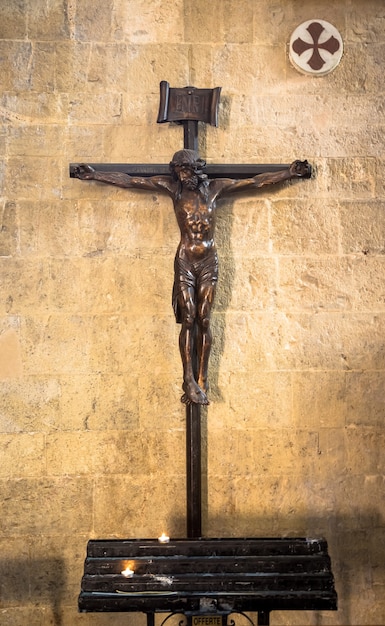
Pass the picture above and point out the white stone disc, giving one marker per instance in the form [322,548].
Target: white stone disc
[315,47]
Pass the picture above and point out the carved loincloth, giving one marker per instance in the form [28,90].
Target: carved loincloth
[189,276]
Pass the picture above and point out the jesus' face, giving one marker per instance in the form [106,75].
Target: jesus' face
[187,176]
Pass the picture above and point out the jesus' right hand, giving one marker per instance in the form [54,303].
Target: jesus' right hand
[84,172]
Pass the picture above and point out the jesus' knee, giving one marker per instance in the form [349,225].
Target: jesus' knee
[204,323]
[188,321]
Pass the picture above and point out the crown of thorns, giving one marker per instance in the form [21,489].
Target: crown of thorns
[187,158]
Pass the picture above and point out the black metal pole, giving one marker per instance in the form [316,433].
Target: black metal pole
[263,618]
[194,473]
[150,619]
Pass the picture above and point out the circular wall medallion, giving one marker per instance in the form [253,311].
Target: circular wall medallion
[315,47]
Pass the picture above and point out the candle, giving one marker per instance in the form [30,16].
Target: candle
[163,538]
[128,572]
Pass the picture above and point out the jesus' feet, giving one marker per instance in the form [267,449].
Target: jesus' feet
[193,394]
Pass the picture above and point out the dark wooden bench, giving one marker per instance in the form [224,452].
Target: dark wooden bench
[208,578]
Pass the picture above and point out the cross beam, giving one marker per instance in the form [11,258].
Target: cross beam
[214,170]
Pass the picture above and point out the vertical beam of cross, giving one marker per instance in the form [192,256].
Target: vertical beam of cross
[189,106]
[193,411]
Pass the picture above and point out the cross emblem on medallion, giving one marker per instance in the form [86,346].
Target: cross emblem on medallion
[315,47]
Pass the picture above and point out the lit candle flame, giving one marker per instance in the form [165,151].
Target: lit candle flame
[128,572]
[163,538]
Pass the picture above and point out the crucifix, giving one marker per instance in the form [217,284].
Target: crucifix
[194,188]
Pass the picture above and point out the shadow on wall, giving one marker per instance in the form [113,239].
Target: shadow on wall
[33,582]
[224,225]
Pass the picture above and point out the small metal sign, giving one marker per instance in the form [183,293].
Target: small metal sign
[188,103]
[208,620]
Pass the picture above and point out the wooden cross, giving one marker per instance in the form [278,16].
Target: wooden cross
[189,106]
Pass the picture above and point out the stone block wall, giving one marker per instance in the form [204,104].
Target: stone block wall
[92,430]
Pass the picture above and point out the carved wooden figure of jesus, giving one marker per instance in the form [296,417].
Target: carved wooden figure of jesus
[194,196]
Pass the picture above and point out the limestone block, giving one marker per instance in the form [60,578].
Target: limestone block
[139,142]
[96,288]
[365,63]
[11,365]
[138,23]
[69,295]
[34,108]
[42,70]
[315,284]
[363,457]
[242,228]
[368,287]
[106,68]
[364,398]
[380,181]
[332,458]
[255,284]
[93,23]
[99,402]
[238,24]
[23,455]
[122,505]
[56,563]
[361,227]
[271,452]
[258,399]
[49,231]
[248,63]
[256,505]
[23,286]
[260,145]
[24,176]
[157,338]
[360,501]
[349,178]
[243,346]
[114,344]
[320,399]
[377,551]
[71,66]
[9,229]
[15,573]
[85,144]
[13,20]
[202,25]
[103,108]
[15,54]
[69,616]
[27,405]
[304,227]
[47,21]
[36,141]
[99,452]
[365,26]
[159,394]
[57,344]
[328,341]
[46,506]
[163,61]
